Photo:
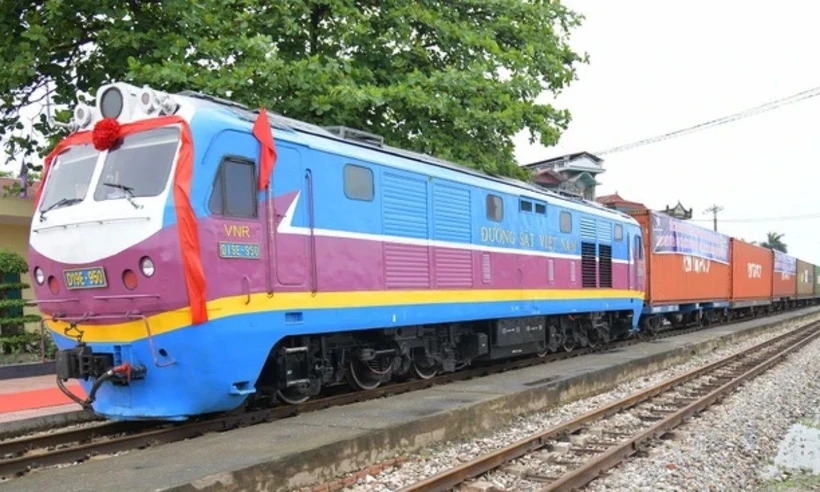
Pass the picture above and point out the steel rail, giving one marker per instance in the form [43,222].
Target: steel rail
[106,438]
[27,444]
[450,478]
[137,435]
[17,446]
[601,463]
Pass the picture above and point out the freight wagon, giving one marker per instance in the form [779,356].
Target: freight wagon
[816,281]
[785,280]
[688,270]
[805,280]
[696,275]
[751,280]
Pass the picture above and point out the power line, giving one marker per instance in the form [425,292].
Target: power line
[800,96]
[763,219]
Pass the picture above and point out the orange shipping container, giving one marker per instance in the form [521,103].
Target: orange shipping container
[752,268]
[685,263]
[805,279]
[785,275]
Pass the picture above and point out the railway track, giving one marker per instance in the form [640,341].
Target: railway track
[19,456]
[572,454]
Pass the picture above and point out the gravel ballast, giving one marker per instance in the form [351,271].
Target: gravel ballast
[646,475]
[727,446]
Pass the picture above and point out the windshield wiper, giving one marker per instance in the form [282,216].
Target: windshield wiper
[58,203]
[129,193]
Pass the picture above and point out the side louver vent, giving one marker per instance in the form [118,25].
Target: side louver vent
[589,274]
[605,265]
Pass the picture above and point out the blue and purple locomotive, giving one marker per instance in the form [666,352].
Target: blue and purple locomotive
[192,256]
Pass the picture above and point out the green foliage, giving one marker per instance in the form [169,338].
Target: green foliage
[14,189]
[453,79]
[13,286]
[28,343]
[12,263]
[12,318]
[774,241]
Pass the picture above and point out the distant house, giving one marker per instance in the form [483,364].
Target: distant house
[573,173]
[679,211]
[617,202]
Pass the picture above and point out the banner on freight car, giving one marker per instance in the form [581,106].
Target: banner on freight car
[784,263]
[673,236]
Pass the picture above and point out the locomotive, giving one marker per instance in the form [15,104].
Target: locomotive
[191,256]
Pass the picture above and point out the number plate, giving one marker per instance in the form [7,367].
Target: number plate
[85,278]
[248,251]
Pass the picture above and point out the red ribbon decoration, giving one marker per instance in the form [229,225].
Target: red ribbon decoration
[267,158]
[106,133]
[186,219]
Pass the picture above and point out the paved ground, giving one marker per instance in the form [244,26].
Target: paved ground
[21,394]
[314,447]
[31,403]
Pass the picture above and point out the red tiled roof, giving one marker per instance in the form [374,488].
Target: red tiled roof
[615,200]
[548,176]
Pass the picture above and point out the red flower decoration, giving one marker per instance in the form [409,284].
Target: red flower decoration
[106,133]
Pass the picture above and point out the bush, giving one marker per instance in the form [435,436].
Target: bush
[13,338]
[28,343]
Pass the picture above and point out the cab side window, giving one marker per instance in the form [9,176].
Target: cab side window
[566,222]
[234,193]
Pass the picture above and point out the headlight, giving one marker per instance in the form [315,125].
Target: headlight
[147,100]
[39,276]
[147,266]
[111,103]
[82,115]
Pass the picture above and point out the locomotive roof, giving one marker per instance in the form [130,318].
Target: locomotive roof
[283,122]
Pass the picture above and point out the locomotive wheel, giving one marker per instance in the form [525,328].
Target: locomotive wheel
[654,325]
[292,396]
[553,340]
[604,335]
[597,336]
[569,340]
[592,338]
[422,369]
[362,376]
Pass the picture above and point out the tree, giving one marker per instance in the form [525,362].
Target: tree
[775,241]
[454,79]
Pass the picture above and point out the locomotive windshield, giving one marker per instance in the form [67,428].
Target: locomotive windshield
[70,176]
[140,166]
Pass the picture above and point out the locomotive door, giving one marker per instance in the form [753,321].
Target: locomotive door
[634,251]
[237,254]
[631,259]
[292,190]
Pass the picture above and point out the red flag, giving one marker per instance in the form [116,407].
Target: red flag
[267,158]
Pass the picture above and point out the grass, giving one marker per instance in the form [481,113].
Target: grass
[796,483]
[811,423]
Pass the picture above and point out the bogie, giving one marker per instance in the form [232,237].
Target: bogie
[299,367]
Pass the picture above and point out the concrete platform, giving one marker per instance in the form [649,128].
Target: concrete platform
[316,447]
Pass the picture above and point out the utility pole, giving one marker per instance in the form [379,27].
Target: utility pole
[714,209]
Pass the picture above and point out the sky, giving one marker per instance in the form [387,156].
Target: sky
[657,67]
